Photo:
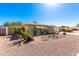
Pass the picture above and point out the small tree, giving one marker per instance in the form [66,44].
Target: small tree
[77,25]
[13,25]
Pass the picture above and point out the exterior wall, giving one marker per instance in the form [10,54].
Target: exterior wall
[10,31]
[29,26]
[50,28]
[6,31]
[3,31]
[41,27]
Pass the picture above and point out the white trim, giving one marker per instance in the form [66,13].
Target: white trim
[6,30]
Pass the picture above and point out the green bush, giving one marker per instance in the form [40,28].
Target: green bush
[33,31]
[69,30]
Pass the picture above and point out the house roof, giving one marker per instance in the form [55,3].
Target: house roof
[40,25]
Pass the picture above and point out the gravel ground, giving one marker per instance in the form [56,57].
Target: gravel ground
[63,46]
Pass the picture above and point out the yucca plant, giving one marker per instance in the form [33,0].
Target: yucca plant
[23,35]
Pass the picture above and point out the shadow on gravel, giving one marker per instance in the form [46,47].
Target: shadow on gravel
[14,37]
[29,39]
[19,42]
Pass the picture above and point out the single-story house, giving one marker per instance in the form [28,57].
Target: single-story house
[8,31]
[38,26]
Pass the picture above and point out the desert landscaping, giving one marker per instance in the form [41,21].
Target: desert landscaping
[67,45]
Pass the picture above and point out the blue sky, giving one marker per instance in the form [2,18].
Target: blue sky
[62,14]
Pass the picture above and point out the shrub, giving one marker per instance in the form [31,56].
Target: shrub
[69,30]
[33,31]
[45,31]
